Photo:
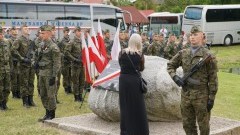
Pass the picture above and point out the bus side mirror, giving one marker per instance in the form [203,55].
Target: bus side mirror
[238,32]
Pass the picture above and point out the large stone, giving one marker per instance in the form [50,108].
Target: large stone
[162,100]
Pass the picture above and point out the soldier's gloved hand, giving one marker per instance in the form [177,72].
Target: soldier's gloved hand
[77,61]
[52,81]
[210,105]
[36,66]
[178,81]
[27,61]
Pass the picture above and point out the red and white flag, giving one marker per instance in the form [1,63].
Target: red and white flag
[94,38]
[116,48]
[101,44]
[86,59]
[95,55]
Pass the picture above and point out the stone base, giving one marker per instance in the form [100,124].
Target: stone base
[91,124]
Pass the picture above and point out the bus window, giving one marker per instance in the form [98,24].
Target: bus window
[77,13]
[165,20]
[3,12]
[50,12]
[107,16]
[193,13]
[21,11]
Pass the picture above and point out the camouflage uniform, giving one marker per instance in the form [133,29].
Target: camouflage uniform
[170,50]
[22,50]
[156,49]
[73,52]
[145,47]
[4,72]
[199,89]
[108,44]
[123,44]
[66,65]
[14,66]
[38,43]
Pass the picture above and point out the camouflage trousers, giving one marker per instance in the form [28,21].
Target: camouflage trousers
[15,82]
[192,110]
[66,73]
[4,86]
[47,93]
[78,79]
[38,86]
[58,81]
[27,75]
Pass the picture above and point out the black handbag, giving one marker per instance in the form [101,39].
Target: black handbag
[143,83]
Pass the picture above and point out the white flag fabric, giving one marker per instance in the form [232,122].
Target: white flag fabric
[116,48]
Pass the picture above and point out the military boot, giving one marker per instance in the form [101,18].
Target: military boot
[18,94]
[76,98]
[4,104]
[25,102]
[66,90]
[80,97]
[51,115]
[1,106]
[14,94]
[45,116]
[69,89]
[30,101]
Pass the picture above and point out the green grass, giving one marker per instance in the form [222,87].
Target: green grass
[21,121]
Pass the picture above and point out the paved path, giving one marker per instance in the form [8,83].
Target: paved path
[90,124]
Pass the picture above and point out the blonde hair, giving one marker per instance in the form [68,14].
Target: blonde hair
[134,44]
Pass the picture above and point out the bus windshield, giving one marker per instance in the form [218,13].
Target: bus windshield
[193,13]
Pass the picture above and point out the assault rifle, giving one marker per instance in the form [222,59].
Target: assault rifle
[182,81]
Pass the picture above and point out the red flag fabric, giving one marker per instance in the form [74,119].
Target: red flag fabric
[95,55]
[86,60]
[101,44]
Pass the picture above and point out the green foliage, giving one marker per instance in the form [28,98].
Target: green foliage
[121,2]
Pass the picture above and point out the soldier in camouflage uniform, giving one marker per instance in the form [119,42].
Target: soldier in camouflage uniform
[171,48]
[55,40]
[49,65]
[145,43]
[198,93]
[186,41]
[14,66]
[73,52]
[4,70]
[108,43]
[66,63]
[123,41]
[22,49]
[155,48]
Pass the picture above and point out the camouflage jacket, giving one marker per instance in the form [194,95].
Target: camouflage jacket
[4,56]
[204,82]
[155,49]
[108,44]
[170,50]
[145,47]
[123,44]
[62,45]
[74,51]
[50,62]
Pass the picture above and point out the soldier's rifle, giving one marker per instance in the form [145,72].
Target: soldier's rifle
[196,67]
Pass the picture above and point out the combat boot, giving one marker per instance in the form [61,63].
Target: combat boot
[14,94]
[51,115]
[80,97]
[25,102]
[76,98]
[45,116]
[69,89]
[18,94]
[30,101]
[1,106]
[4,104]
[66,90]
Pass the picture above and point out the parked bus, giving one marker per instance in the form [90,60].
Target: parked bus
[220,23]
[36,14]
[171,21]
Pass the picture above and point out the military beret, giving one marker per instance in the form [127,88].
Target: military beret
[196,29]
[66,29]
[46,28]
[171,34]
[13,28]
[78,28]
[1,29]
[106,31]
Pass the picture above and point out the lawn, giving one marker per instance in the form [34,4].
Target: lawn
[22,121]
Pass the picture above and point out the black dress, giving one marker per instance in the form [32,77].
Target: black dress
[133,117]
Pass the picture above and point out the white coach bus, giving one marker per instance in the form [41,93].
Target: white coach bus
[171,21]
[36,14]
[220,23]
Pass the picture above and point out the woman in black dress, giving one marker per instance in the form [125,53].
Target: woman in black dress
[133,117]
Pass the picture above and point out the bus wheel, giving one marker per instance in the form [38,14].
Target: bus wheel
[228,40]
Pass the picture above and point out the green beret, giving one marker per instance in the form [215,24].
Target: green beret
[1,29]
[196,29]
[66,29]
[46,28]
[13,28]
[78,28]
